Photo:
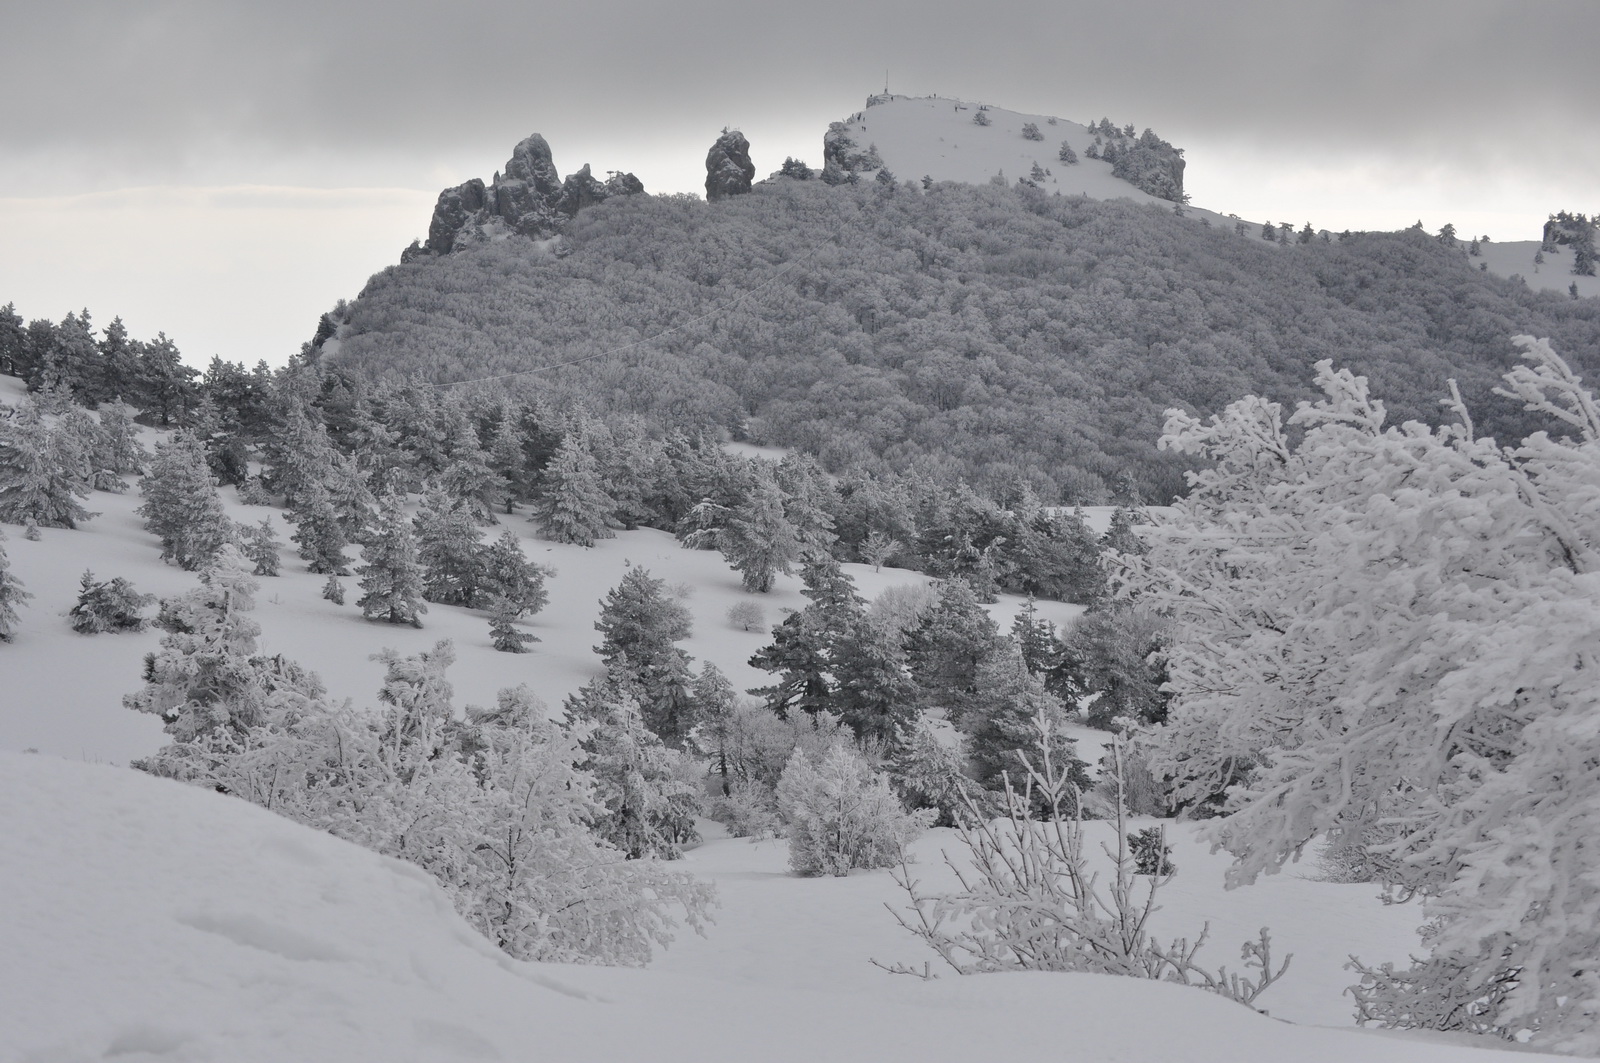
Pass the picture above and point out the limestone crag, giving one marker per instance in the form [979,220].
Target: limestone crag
[729,170]
[527,199]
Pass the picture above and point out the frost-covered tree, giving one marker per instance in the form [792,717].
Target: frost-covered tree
[261,546]
[1030,131]
[43,472]
[1001,723]
[333,590]
[508,574]
[1386,633]
[758,539]
[1067,155]
[929,770]
[112,605]
[573,504]
[319,533]
[450,552]
[949,644]
[843,815]
[640,625]
[12,595]
[503,630]
[181,506]
[650,793]
[392,577]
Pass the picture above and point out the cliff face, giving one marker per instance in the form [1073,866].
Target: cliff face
[528,199]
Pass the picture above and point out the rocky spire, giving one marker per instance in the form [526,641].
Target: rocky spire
[729,170]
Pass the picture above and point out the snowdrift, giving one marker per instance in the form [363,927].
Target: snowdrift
[142,919]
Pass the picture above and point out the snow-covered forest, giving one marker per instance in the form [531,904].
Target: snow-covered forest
[977,621]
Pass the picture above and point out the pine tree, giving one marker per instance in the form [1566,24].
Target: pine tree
[470,478]
[573,505]
[120,451]
[447,546]
[333,590]
[42,472]
[507,573]
[947,647]
[261,546]
[503,614]
[1067,155]
[181,506]
[640,626]
[650,792]
[1035,638]
[1000,723]
[392,576]
[12,595]
[110,606]
[758,539]
[318,530]
[715,701]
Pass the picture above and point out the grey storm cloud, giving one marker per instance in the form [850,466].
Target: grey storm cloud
[142,88]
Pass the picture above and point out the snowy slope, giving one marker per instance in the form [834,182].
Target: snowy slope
[61,692]
[934,136]
[1554,274]
[142,919]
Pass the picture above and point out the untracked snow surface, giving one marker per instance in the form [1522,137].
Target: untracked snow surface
[141,919]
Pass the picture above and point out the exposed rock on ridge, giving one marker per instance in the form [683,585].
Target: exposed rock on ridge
[729,170]
[842,156]
[528,199]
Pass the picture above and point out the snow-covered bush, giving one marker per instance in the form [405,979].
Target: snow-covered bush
[842,815]
[746,616]
[109,606]
[1390,634]
[748,810]
[497,807]
[1151,853]
[1029,900]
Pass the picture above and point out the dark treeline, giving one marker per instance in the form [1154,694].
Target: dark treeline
[990,334]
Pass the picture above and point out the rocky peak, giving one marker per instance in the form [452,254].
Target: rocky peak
[729,170]
[528,198]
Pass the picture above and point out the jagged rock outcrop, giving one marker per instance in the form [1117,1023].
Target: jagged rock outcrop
[729,170]
[528,199]
[842,156]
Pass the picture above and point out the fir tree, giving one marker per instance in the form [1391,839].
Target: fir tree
[573,505]
[758,539]
[42,472]
[715,701]
[110,606]
[503,614]
[261,546]
[640,626]
[1035,638]
[181,506]
[318,531]
[392,576]
[452,557]
[949,645]
[507,573]
[12,595]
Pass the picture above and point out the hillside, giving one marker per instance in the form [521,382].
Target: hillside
[161,921]
[989,332]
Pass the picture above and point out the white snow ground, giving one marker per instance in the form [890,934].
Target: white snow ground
[145,920]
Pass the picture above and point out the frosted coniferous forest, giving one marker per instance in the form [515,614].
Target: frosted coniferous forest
[873,612]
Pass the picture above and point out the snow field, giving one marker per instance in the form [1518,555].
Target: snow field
[159,921]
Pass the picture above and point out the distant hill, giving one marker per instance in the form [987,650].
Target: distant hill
[968,325]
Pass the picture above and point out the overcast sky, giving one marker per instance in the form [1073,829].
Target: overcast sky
[225,170]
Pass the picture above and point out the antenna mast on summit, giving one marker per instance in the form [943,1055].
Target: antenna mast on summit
[886,81]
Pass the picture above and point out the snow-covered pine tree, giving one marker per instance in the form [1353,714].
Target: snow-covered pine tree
[503,630]
[391,578]
[261,547]
[640,626]
[333,590]
[450,552]
[12,595]
[1001,723]
[507,573]
[109,606]
[181,506]
[651,793]
[573,504]
[42,472]
[929,772]
[319,532]
[470,477]
[948,646]
[758,540]
[120,451]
